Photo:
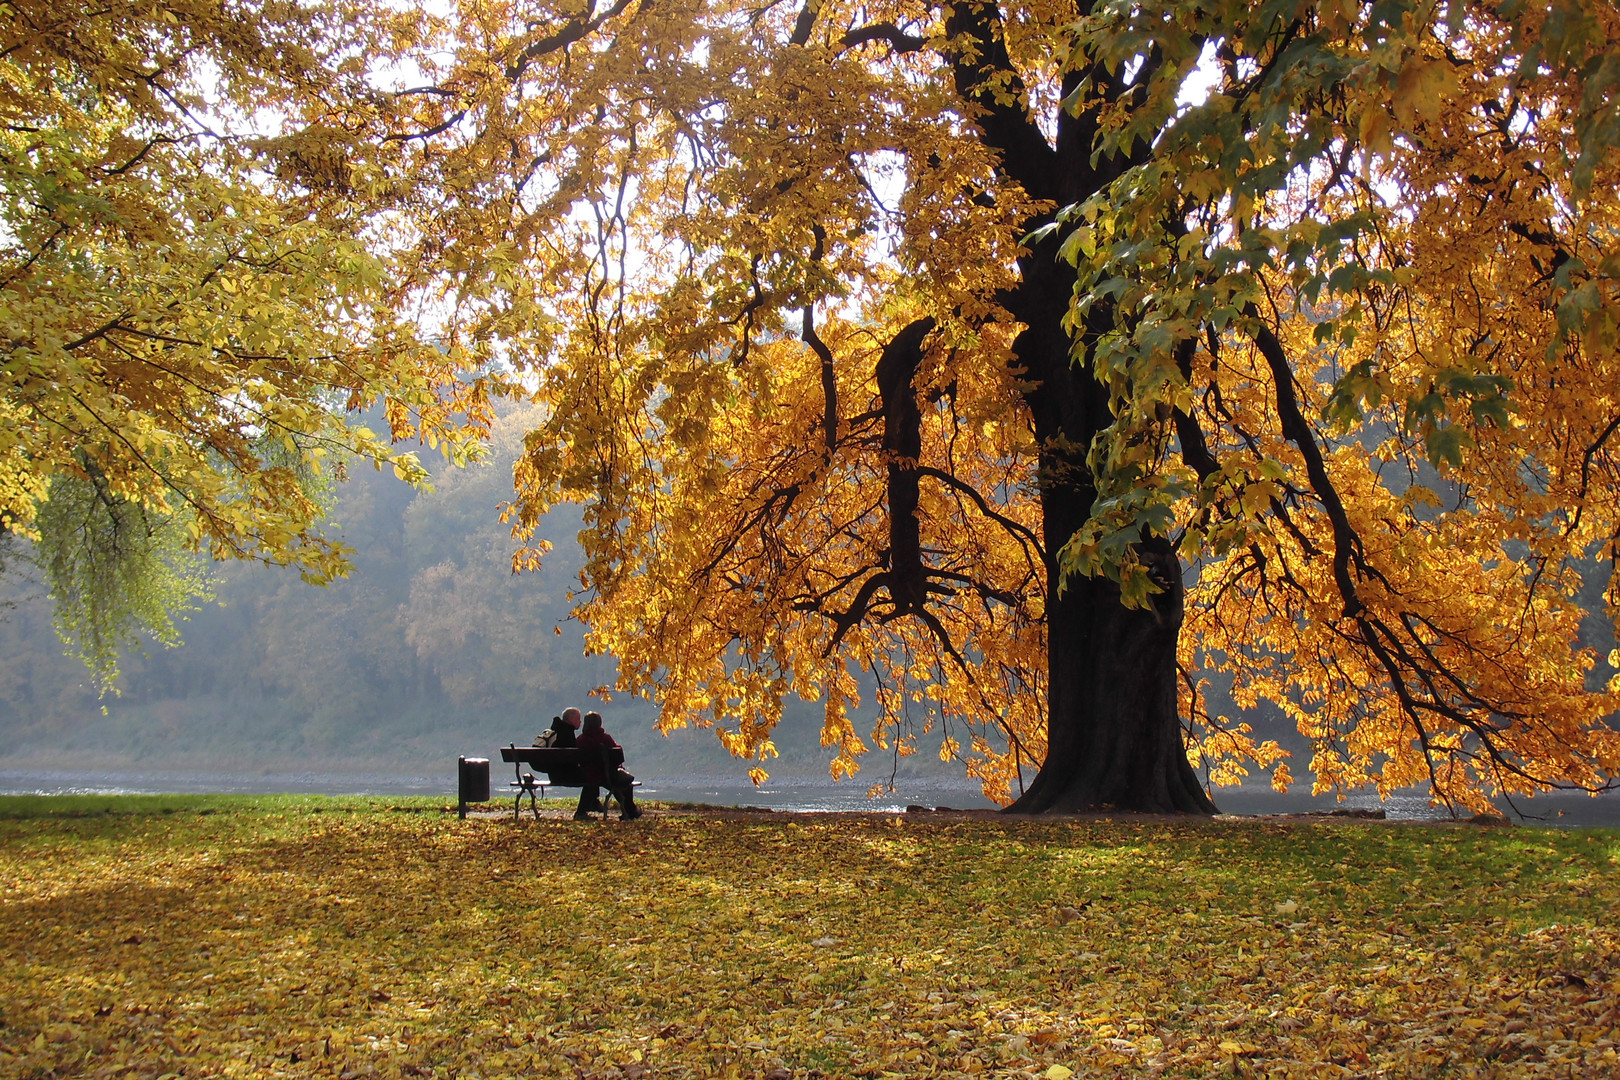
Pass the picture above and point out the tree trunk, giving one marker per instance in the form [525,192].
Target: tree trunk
[1114,737]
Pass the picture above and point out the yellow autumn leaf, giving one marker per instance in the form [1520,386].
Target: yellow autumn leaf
[313,933]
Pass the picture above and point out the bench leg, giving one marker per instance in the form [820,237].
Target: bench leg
[517,803]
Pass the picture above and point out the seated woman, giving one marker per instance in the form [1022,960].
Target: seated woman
[616,780]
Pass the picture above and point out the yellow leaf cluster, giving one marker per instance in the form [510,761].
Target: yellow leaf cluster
[190,306]
[1391,556]
[1385,326]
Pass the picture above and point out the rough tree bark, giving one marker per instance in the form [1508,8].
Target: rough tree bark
[1114,733]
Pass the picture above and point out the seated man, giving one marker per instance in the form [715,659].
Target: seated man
[562,730]
[596,739]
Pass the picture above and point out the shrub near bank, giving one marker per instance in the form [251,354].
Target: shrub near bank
[259,938]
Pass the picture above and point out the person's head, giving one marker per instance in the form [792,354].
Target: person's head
[571,718]
[593,721]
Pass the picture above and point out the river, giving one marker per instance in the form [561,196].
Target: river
[786,794]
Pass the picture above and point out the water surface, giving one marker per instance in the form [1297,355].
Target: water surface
[804,795]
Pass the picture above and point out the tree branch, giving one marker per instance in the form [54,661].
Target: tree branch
[805,23]
[1295,428]
[986,78]
[571,31]
[829,375]
[898,40]
[829,381]
[1023,532]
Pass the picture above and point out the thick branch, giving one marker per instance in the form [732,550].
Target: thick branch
[1194,450]
[898,40]
[1299,432]
[856,610]
[902,442]
[985,76]
[571,31]
[805,23]
[829,376]
[829,380]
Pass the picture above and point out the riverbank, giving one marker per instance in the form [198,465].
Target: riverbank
[791,794]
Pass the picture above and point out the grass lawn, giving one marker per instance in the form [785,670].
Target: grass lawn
[302,936]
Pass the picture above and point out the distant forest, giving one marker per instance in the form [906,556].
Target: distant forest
[431,648]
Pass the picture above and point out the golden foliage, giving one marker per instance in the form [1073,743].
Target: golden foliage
[293,943]
[727,229]
[1354,311]
[1379,291]
[1344,334]
[194,282]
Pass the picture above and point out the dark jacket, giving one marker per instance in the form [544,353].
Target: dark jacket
[597,740]
[565,733]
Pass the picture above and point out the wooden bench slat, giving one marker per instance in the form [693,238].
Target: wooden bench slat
[550,759]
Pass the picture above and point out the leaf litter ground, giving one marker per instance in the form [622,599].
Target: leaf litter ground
[303,937]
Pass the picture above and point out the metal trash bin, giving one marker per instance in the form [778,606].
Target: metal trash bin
[472,782]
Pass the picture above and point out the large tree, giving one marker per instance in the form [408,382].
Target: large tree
[950,342]
[198,288]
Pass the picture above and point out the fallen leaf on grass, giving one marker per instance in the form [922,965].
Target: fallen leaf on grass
[707,973]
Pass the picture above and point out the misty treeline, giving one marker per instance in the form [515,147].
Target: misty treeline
[432,647]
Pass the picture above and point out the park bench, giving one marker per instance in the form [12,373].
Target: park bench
[563,766]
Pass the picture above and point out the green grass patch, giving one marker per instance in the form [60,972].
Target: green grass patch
[24,807]
[305,936]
